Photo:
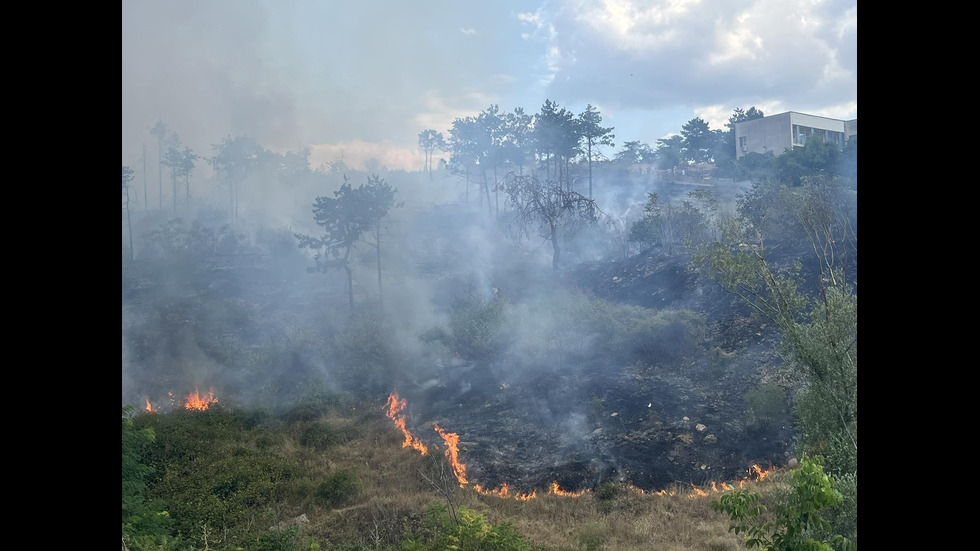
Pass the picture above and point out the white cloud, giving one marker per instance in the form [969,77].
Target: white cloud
[468,31]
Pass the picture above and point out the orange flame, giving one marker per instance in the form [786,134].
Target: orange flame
[149,407]
[452,452]
[504,491]
[395,407]
[697,492]
[555,489]
[760,474]
[196,401]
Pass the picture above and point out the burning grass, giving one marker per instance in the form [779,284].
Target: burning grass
[368,488]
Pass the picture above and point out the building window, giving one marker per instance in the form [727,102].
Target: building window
[741,142]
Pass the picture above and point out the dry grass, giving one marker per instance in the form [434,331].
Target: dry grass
[396,485]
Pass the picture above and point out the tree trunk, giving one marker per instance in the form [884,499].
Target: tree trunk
[160,171]
[590,169]
[377,238]
[350,289]
[145,195]
[129,224]
[554,247]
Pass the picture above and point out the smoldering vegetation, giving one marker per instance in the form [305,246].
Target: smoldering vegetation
[612,362]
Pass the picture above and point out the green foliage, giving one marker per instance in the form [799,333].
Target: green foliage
[671,225]
[607,492]
[699,141]
[145,522]
[319,436]
[305,412]
[477,329]
[755,166]
[206,475]
[798,524]
[843,519]
[816,309]
[341,488]
[365,357]
[278,539]
[470,532]
[847,164]
[816,156]
[345,218]
[765,406]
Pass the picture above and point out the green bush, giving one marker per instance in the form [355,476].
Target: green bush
[305,413]
[365,357]
[477,329]
[319,436]
[341,488]
[469,531]
[796,523]
[607,492]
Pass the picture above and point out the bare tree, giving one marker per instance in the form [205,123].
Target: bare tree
[127,180]
[548,209]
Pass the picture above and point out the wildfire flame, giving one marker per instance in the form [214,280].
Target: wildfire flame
[197,401]
[452,452]
[149,407]
[504,491]
[555,489]
[394,407]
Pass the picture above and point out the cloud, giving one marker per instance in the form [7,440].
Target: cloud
[663,54]
[468,31]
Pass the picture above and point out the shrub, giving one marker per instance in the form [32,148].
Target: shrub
[339,489]
[319,436]
[469,531]
[607,492]
[477,329]
[796,523]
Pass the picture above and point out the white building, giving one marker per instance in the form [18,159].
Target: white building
[778,133]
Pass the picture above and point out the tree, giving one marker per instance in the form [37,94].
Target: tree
[234,160]
[429,141]
[670,152]
[814,305]
[181,164]
[491,134]
[464,147]
[345,217]
[557,137]
[816,156]
[698,140]
[378,199]
[160,131]
[519,137]
[548,208]
[634,152]
[127,180]
[594,136]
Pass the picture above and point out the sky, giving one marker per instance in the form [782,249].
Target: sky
[360,80]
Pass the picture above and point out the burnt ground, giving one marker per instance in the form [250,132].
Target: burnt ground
[651,424]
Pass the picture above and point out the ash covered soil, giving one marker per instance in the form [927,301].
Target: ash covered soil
[653,423]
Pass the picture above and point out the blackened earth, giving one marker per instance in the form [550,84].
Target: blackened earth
[650,424]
